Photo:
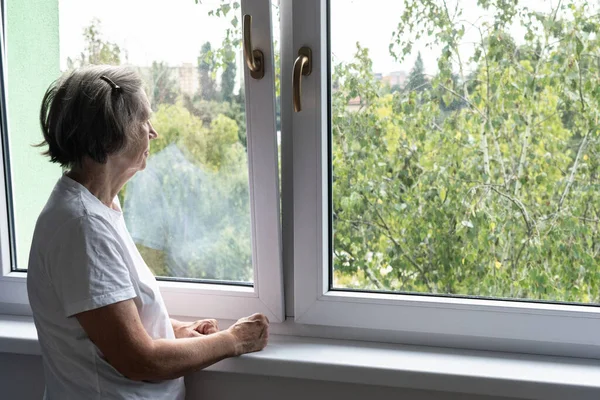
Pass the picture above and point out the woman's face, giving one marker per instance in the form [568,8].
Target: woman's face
[139,151]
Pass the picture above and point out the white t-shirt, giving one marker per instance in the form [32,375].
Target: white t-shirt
[83,258]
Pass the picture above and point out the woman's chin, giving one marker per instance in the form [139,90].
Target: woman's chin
[144,161]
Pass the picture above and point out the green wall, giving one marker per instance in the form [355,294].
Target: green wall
[33,63]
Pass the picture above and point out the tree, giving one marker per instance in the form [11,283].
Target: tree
[450,103]
[416,79]
[162,86]
[228,78]
[206,68]
[97,50]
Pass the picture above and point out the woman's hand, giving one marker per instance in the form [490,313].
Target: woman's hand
[250,334]
[193,329]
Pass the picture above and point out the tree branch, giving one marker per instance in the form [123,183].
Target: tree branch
[388,234]
[580,151]
[528,221]
[467,101]
[369,274]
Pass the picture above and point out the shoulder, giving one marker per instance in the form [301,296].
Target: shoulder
[69,209]
[86,228]
[71,230]
[63,209]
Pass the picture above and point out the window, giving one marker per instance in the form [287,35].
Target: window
[193,211]
[440,169]
[455,153]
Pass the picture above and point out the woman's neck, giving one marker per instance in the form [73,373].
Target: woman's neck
[104,181]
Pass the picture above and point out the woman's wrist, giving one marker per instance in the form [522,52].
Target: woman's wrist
[175,324]
[230,343]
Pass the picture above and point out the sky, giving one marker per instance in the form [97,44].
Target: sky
[371,22]
[174,30]
[149,30]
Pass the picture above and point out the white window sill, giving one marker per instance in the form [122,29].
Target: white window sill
[448,370]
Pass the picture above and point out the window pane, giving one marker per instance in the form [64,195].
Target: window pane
[189,211]
[32,63]
[465,148]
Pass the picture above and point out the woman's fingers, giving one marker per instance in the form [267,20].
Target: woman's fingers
[197,328]
[207,326]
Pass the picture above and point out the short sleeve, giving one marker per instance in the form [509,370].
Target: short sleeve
[87,266]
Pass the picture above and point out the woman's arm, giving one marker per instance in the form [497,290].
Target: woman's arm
[117,331]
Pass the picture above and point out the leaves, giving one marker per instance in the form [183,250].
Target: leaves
[459,186]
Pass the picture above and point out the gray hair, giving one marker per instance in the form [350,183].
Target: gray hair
[92,111]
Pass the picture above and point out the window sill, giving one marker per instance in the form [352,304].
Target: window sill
[415,367]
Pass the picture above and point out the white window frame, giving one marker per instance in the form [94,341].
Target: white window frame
[509,325]
[204,299]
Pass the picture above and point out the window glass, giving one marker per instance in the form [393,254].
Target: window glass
[32,63]
[188,211]
[465,148]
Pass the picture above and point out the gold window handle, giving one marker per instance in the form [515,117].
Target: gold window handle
[302,66]
[255,59]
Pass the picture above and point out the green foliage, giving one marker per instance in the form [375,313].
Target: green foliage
[206,68]
[97,50]
[175,124]
[207,111]
[233,34]
[416,79]
[228,78]
[206,146]
[486,185]
[222,135]
[162,86]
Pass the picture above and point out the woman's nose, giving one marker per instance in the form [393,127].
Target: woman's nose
[153,133]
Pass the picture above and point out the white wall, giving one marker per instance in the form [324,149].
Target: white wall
[21,378]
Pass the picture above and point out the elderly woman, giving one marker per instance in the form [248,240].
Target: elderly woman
[103,327]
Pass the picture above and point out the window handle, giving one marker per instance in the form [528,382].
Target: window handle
[255,59]
[302,66]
